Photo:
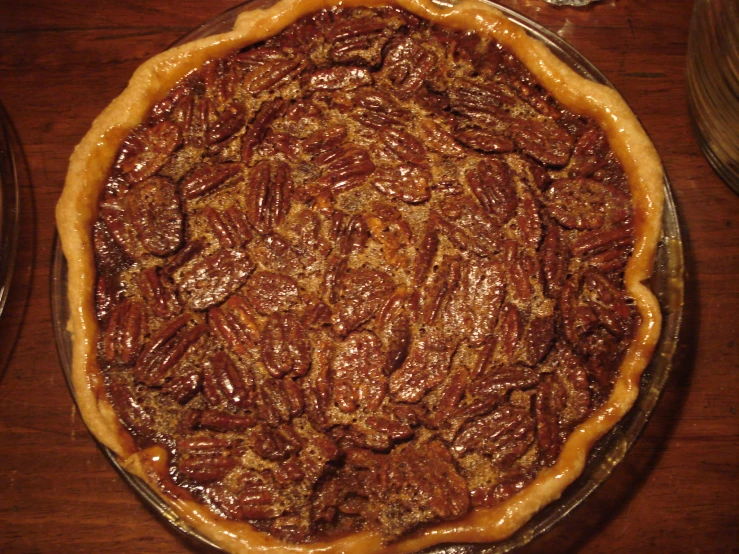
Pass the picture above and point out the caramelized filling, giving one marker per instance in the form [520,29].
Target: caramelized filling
[364,274]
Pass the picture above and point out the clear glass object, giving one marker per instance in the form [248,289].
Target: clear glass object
[667,283]
[713,84]
[9,150]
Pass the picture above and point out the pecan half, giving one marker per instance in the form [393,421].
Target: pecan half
[274,402]
[224,422]
[468,226]
[589,153]
[285,347]
[544,141]
[206,178]
[272,73]
[323,140]
[276,443]
[206,459]
[165,349]
[439,140]
[554,258]
[492,186]
[425,254]
[254,496]
[438,292]
[550,400]
[236,324]
[184,385]
[394,328]
[425,367]
[484,141]
[149,150]
[357,372]
[212,279]
[450,397]
[230,226]
[404,145]
[470,97]
[271,292]
[129,408]
[116,215]
[483,289]
[380,110]
[362,293]
[571,371]
[228,122]
[586,204]
[156,214]
[589,243]
[360,40]
[578,318]
[158,292]
[270,192]
[225,384]
[407,65]
[608,302]
[258,128]
[124,337]
[504,436]
[407,182]
[529,221]
[345,167]
[350,232]
[337,78]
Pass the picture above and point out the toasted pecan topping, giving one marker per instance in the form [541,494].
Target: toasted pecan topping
[365,273]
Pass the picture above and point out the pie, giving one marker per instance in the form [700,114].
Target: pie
[360,277]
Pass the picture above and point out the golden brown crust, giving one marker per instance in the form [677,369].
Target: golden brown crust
[76,213]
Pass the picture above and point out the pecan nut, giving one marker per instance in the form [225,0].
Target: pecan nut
[212,279]
[285,347]
[156,214]
[149,151]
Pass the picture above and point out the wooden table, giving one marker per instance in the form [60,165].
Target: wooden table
[62,62]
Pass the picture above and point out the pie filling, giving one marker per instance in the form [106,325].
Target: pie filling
[364,274]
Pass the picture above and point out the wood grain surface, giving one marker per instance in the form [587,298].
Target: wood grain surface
[62,62]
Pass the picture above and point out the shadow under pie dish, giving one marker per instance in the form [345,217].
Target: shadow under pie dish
[367,283]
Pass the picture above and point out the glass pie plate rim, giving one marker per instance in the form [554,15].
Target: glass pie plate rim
[9,203]
[609,451]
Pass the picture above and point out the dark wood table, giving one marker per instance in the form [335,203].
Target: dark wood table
[62,62]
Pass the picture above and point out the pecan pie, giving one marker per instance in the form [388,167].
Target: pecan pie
[360,278]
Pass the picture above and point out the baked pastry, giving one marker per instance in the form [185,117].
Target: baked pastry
[360,278]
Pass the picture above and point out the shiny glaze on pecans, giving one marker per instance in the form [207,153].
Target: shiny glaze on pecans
[206,178]
[156,215]
[409,183]
[148,150]
[364,274]
[358,372]
[270,190]
[212,279]
[285,348]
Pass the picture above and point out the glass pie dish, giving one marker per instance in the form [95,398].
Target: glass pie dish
[614,448]
[8,205]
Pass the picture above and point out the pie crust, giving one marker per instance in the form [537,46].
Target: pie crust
[77,212]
